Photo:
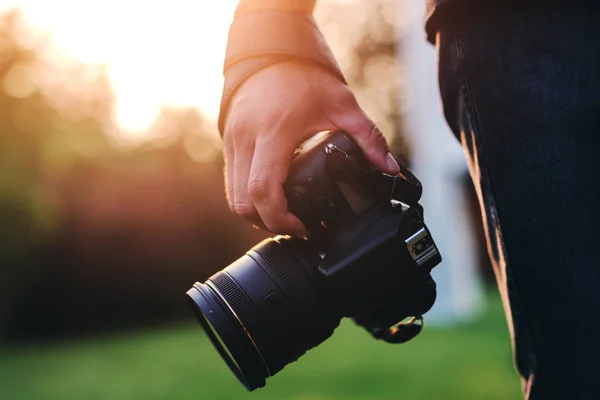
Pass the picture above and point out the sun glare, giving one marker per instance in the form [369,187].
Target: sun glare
[158,53]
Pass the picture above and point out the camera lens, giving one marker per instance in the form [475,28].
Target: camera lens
[265,310]
[220,345]
[227,335]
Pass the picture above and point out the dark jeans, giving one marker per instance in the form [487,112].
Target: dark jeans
[521,91]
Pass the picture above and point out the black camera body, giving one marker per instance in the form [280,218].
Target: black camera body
[368,256]
[363,234]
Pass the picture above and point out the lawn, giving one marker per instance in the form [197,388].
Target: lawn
[472,361]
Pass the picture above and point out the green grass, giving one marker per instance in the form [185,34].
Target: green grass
[472,361]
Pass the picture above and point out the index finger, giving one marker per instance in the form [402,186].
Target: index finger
[269,170]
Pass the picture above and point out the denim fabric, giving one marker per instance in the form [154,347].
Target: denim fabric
[521,91]
[436,7]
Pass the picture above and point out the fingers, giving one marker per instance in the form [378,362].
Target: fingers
[229,165]
[254,182]
[268,173]
[368,137]
[237,170]
[242,204]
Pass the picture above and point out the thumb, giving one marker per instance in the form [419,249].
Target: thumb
[369,138]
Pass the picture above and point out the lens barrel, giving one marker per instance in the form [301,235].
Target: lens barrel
[228,335]
[265,310]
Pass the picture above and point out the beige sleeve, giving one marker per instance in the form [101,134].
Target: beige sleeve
[248,6]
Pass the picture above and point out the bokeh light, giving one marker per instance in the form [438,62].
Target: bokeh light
[157,53]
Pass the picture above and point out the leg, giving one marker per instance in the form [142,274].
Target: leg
[521,90]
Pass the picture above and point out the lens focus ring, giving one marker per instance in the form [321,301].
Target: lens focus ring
[239,303]
[287,269]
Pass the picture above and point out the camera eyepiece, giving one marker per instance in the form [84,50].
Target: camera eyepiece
[368,257]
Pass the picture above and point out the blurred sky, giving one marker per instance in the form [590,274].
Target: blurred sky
[158,52]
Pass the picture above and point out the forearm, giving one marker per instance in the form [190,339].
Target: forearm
[249,6]
[268,32]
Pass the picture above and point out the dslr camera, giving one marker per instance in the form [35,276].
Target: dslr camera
[368,256]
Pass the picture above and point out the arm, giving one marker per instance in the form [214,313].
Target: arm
[269,113]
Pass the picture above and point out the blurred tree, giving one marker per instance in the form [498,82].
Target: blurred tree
[93,235]
[26,223]
[363,38]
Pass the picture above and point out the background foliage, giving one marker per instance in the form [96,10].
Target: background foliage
[93,235]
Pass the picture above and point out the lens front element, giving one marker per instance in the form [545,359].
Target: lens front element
[264,311]
[228,335]
[219,344]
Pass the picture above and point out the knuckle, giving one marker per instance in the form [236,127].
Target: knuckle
[277,226]
[344,105]
[235,126]
[245,210]
[239,128]
[375,136]
[234,133]
[257,188]
[229,198]
[345,97]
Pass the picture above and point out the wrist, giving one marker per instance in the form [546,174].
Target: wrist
[268,37]
[275,32]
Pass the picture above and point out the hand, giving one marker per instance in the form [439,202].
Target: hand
[270,115]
